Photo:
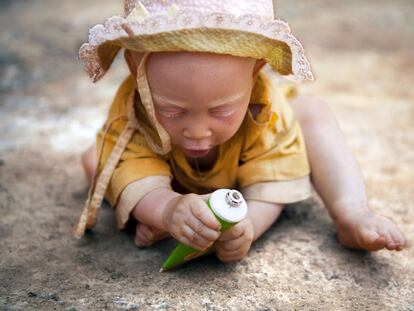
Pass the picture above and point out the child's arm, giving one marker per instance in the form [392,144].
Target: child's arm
[262,215]
[339,181]
[186,217]
[235,243]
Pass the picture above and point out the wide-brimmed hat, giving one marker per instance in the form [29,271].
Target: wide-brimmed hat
[245,28]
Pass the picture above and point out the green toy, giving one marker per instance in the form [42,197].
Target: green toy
[229,207]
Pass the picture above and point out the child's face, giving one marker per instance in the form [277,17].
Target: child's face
[200,99]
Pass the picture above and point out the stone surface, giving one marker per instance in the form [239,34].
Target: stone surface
[362,54]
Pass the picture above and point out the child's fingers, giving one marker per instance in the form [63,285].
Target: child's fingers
[230,259]
[201,211]
[145,231]
[233,233]
[205,196]
[140,239]
[193,239]
[229,256]
[202,229]
[138,242]
[184,240]
[188,242]
[233,245]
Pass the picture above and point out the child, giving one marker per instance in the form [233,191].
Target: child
[198,113]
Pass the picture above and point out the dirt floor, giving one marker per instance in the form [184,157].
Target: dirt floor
[362,54]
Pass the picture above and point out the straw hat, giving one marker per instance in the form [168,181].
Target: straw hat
[244,28]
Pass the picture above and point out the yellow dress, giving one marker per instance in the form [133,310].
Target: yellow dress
[266,159]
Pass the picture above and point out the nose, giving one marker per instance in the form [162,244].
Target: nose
[196,131]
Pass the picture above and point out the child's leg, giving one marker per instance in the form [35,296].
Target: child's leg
[145,235]
[338,180]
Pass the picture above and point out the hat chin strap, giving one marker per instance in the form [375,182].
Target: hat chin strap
[101,180]
[147,102]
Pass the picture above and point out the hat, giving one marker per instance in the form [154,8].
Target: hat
[244,28]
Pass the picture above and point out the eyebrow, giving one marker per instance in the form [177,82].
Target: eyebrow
[215,103]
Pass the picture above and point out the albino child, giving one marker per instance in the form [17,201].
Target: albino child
[199,113]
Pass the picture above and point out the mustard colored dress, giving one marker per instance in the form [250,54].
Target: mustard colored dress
[266,159]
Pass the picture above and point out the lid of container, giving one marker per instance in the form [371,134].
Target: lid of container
[229,205]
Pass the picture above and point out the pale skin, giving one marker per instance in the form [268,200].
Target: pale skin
[221,87]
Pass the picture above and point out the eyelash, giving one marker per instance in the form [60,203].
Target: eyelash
[172,114]
[217,114]
[222,114]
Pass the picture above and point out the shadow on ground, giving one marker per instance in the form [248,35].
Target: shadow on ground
[49,111]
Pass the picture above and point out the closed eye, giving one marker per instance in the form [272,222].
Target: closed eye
[171,114]
[222,113]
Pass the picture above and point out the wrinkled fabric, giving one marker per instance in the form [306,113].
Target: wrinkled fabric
[268,148]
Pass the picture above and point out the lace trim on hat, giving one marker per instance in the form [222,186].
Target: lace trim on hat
[113,31]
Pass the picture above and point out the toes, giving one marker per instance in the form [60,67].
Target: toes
[378,243]
[374,234]
[401,239]
[390,244]
[372,241]
[395,240]
[398,239]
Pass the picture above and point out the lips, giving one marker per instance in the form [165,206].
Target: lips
[196,153]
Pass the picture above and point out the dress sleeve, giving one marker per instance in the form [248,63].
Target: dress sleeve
[129,183]
[274,165]
[134,192]
[137,162]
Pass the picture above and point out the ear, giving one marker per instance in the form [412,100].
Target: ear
[132,59]
[257,67]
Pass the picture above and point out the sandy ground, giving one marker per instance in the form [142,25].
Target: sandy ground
[362,54]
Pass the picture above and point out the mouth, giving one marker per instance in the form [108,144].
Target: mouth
[192,153]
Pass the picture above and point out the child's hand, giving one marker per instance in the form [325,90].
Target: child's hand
[234,243]
[189,220]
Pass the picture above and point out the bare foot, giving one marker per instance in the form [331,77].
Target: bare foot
[368,231]
[146,235]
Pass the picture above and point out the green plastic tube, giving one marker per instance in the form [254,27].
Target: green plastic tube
[229,207]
